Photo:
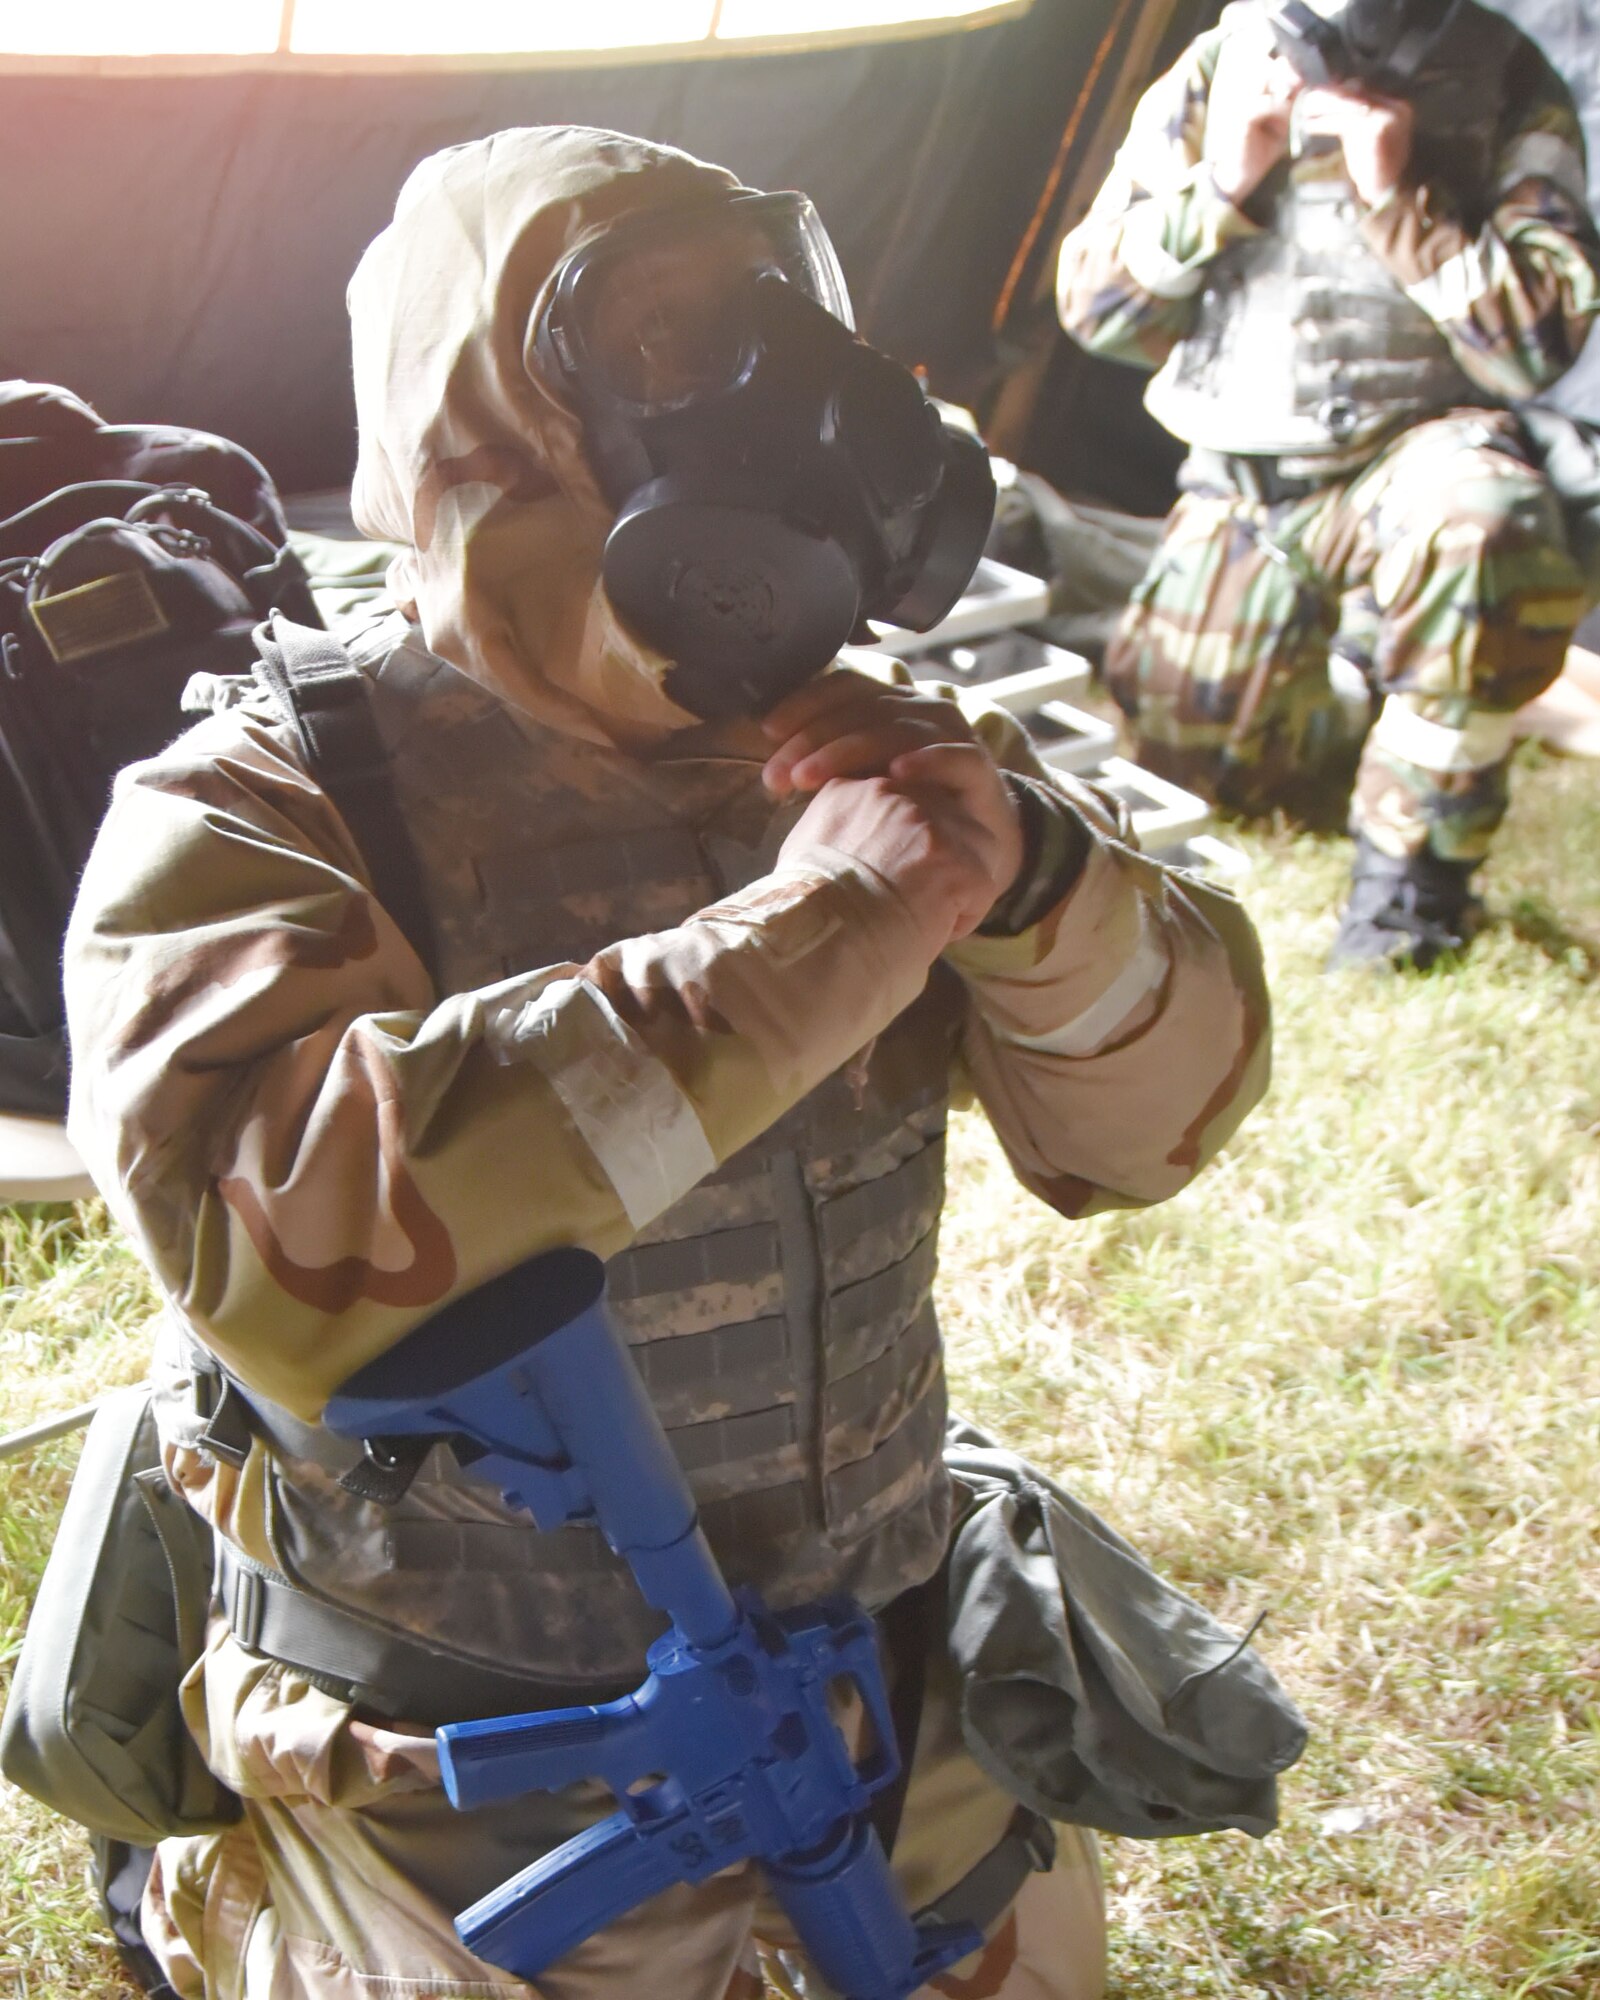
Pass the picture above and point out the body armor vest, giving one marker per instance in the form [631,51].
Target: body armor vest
[780,1313]
[1304,344]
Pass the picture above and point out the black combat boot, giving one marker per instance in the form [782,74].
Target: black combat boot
[1405,910]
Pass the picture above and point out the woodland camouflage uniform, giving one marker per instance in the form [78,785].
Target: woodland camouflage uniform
[1431,553]
[647,1038]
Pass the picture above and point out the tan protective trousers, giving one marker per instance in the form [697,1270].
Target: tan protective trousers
[341,1880]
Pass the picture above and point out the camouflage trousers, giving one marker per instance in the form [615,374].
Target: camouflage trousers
[341,1879]
[1439,569]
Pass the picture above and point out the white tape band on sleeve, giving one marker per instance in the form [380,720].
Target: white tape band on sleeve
[625,1102]
[1433,746]
[1096,1025]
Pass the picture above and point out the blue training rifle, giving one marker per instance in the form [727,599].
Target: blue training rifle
[534,1387]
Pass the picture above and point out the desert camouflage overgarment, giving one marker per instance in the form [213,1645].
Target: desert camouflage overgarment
[313,1148]
[649,1038]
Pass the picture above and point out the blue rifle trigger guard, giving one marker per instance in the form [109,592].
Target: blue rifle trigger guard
[736,1713]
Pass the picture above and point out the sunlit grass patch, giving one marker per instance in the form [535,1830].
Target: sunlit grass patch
[72,1306]
[1352,1377]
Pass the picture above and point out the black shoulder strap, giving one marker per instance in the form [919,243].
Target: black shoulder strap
[325,695]
[910,1626]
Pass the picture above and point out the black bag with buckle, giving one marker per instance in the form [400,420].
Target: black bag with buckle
[130,558]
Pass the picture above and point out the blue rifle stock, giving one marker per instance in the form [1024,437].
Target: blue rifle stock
[728,1751]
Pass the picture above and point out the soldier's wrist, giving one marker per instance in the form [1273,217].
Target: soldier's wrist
[1055,846]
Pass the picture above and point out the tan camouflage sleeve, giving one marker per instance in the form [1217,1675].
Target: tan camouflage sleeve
[1121,1040]
[313,1150]
[1130,272]
[1516,298]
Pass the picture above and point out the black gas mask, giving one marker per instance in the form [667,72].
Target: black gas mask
[1392,48]
[777,481]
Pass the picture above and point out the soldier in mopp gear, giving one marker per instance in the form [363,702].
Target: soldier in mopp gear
[717,936]
[1347,235]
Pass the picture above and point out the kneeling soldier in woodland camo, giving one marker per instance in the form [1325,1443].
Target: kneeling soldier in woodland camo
[1348,234]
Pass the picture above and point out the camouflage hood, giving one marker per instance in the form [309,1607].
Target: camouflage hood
[467,455]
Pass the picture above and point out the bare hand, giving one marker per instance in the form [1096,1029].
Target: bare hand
[1247,113]
[1375,132]
[915,828]
[847,725]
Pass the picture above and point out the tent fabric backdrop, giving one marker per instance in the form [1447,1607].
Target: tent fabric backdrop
[176,247]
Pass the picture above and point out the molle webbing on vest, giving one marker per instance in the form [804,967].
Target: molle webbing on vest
[780,1312]
[1303,342]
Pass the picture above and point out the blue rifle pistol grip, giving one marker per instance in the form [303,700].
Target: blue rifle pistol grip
[551,1907]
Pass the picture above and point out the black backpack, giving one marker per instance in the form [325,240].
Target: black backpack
[130,559]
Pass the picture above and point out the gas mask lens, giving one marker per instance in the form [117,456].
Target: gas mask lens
[658,311]
[661,329]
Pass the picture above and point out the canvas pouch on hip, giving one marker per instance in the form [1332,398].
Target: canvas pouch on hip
[1092,1689]
[92,1727]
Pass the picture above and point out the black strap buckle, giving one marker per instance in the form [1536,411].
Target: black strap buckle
[227,1434]
[387,1468]
[246,1611]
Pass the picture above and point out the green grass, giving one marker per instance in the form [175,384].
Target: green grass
[1352,1377]
[72,1302]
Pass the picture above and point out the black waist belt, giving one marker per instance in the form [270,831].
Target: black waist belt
[375,1668]
[401,1678]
